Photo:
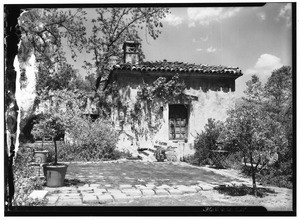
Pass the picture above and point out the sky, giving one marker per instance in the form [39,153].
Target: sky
[255,39]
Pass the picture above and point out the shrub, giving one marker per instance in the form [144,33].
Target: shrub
[24,180]
[206,141]
[93,140]
[279,174]
[68,152]
[234,160]
[189,159]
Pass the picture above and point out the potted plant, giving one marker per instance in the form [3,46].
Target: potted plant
[39,153]
[51,126]
[160,154]
[40,156]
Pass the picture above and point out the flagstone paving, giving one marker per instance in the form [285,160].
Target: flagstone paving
[162,180]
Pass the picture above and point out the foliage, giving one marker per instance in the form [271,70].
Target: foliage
[93,140]
[234,160]
[112,27]
[24,180]
[59,79]
[256,127]
[145,114]
[191,159]
[206,142]
[44,29]
[89,140]
[279,103]
[151,98]
[44,32]
[68,152]
[49,126]
[279,174]
[162,89]
[160,154]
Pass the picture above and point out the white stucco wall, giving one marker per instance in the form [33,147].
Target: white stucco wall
[210,104]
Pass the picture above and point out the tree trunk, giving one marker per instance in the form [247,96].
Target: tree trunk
[55,155]
[254,183]
[253,172]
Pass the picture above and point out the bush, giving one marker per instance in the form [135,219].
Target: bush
[234,160]
[189,159]
[24,179]
[207,141]
[87,141]
[279,174]
[92,140]
[68,152]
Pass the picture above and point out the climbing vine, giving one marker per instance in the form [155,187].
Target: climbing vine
[145,116]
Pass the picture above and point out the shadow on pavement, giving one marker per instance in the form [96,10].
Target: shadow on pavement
[243,190]
[74,182]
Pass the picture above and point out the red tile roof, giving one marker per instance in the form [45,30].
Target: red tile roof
[166,66]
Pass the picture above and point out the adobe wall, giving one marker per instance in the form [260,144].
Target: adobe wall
[210,104]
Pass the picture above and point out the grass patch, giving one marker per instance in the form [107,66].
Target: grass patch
[242,190]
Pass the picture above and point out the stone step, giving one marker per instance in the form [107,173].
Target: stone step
[146,149]
[149,158]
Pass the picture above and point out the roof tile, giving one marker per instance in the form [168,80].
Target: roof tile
[180,67]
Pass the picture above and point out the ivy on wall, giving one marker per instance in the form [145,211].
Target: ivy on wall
[146,114]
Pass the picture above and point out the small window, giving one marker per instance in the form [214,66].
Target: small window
[178,122]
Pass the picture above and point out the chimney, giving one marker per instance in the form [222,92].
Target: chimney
[131,52]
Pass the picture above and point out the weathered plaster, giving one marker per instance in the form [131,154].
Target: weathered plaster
[215,98]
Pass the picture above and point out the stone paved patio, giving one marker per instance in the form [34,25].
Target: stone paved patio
[94,194]
[122,172]
[79,193]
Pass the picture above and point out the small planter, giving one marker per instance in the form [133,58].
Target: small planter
[160,155]
[40,156]
[55,174]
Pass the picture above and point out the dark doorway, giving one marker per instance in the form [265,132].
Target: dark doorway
[178,122]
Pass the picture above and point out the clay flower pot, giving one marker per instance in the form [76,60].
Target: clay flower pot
[40,156]
[55,174]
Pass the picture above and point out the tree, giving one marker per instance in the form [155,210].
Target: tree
[49,126]
[60,110]
[45,30]
[253,131]
[58,80]
[43,33]
[279,95]
[112,27]
[278,89]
